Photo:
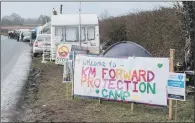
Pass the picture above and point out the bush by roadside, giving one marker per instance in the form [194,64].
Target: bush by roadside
[157,31]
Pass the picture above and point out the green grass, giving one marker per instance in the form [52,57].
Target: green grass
[57,97]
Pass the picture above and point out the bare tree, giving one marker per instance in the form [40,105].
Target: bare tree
[189,31]
[104,15]
[178,6]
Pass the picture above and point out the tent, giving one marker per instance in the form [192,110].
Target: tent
[126,49]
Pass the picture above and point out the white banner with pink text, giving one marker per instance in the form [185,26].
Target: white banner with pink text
[134,79]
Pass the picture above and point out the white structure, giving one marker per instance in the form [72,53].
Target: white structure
[46,28]
[46,53]
[38,30]
[22,31]
[65,28]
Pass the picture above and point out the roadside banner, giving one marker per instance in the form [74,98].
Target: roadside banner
[176,86]
[62,53]
[139,79]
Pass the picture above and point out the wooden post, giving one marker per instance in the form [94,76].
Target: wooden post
[172,57]
[176,111]
[132,106]
[73,64]
[100,101]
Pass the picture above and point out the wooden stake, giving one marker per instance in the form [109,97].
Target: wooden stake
[132,106]
[100,101]
[73,64]
[172,57]
[176,111]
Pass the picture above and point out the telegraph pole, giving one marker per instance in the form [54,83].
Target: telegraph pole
[60,9]
[80,24]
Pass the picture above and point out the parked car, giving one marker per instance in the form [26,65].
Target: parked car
[32,37]
[21,31]
[27,36]
[42,41]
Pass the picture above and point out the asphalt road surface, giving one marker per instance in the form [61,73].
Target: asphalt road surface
[15,64]
[10,52]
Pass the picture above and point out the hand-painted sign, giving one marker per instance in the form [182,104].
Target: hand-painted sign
[62,53]
[130,79]
[176,86]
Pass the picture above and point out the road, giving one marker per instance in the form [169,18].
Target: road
[15,64]
[10,52]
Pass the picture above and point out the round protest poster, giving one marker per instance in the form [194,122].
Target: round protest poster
[63,51]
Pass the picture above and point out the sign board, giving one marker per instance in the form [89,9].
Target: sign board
[176,86]
[140,79]
[67,74]
[71,56]
[62,53]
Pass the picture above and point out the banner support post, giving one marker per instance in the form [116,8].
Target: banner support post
[172,58]
[132,106]
[176,110]
[100,101]
[73,64]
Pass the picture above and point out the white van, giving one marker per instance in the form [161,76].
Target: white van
[39,43]
[22,31]
[65,28]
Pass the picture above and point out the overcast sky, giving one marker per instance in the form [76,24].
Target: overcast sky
[34,9]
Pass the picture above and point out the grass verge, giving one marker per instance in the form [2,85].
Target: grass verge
[46,98]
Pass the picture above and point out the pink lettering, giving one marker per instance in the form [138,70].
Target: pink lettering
[103,72]
[121,82]
[150,76]
[97,83]
[127,84]
[110,86]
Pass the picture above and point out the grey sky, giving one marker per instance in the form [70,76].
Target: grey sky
[34,9]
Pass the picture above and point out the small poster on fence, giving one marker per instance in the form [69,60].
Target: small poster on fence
[176,86]
[68,72]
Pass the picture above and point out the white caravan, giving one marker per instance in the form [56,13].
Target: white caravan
[65,28]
